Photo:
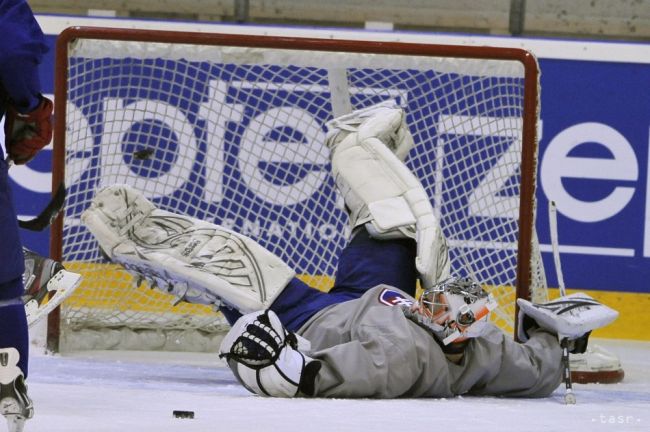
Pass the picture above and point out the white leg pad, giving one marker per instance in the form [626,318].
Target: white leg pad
[381,191]
[197,261]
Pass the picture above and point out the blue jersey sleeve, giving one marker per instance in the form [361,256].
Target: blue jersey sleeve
[22,46]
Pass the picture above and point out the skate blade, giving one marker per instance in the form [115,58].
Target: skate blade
[62,284]
[9,408]
[15,422]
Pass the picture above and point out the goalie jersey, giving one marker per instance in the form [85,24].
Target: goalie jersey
[358,340]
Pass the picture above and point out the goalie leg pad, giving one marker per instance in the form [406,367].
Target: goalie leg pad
[381,192]
[196,261]
[266,358]
[384,123]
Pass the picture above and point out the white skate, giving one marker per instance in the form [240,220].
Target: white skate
[15,405]
[44,277]
[596,365]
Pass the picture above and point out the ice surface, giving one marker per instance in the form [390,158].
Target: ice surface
[137,391]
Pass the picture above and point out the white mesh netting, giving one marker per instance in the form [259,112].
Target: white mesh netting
[236,136]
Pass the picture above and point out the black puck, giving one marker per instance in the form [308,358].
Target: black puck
[183,414]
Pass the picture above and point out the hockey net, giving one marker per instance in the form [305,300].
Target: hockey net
[231,129]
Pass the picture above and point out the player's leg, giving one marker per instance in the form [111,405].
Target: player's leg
[14,341]
[367,262]
[196,261]
[367,150]
[364,263]
[396,235]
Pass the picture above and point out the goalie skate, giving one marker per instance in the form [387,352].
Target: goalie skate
[47,284]
[15,405]
[193,260]
[596,365]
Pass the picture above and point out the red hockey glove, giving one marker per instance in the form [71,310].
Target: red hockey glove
[26,134]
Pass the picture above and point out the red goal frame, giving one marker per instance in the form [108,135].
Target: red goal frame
[530,117]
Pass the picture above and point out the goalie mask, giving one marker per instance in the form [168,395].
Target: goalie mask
[454,310]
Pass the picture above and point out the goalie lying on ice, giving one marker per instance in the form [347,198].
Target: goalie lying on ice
[368,336]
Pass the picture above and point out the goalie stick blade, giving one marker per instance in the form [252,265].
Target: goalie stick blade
[49,213]
[62,284]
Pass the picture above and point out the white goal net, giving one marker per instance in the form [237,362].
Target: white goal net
[231,129]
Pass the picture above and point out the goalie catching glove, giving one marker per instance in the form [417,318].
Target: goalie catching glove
[267,359]
[196,261]
[571,317]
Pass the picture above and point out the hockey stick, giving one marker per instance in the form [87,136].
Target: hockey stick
[569,396]
[552,221]
[49,213]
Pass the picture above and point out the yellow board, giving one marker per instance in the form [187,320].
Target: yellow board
[633,322]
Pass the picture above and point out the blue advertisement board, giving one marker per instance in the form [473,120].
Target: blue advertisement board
[593,162]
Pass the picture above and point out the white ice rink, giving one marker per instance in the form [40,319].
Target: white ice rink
[131,391]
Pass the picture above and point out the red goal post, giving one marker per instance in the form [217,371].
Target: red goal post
[230,128]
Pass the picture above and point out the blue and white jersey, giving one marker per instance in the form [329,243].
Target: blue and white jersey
[22,47]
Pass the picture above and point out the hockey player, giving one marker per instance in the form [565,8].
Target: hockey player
[27,129]
[368,336]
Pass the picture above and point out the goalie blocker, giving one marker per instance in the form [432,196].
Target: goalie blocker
[267,359]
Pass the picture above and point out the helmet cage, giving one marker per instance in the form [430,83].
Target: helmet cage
[451,300]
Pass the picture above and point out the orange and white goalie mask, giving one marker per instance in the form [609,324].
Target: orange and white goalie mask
[454,310]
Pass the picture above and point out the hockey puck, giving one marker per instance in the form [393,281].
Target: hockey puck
[183,414]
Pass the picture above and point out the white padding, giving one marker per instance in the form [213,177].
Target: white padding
[9,369]
[380,190]
[570,316]
[198,261]
[279,377]
[391,213]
